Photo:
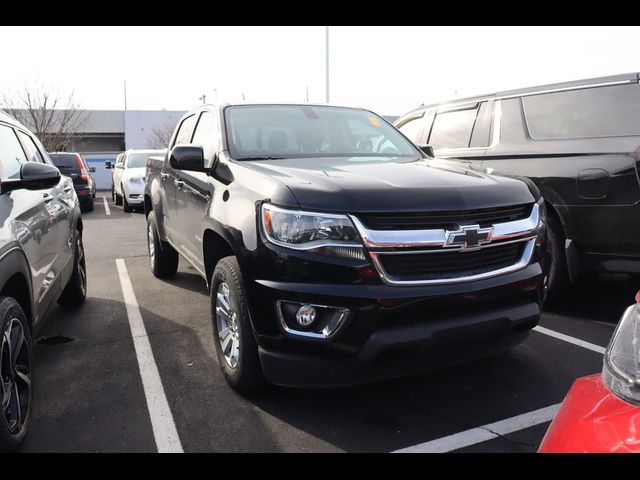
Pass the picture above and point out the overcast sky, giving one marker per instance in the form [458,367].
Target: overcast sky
[387,69]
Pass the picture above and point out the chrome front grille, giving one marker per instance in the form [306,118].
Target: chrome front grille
[427,256]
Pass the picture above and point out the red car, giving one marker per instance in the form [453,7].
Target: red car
[601,413]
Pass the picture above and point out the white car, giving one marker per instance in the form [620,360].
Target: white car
[128,178]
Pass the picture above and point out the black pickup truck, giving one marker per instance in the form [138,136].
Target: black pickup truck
[337,252]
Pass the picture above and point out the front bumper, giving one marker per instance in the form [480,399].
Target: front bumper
[394,331]
[134,193]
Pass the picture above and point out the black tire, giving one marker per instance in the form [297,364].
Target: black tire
[118,199]
[113,193]
[163,258]
[125,205]
[15,369]
[87,206]
[75,293]
[558,282]
[246,375]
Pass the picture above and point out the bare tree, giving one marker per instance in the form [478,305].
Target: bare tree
[54,118]
[160,135]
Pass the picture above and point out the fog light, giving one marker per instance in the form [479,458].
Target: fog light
[306,315]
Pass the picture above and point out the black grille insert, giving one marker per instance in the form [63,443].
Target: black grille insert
[446,265]
[446,220]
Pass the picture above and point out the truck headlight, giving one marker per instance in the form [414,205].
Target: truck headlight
[321,232]
[136,179]
[621,371]
[541,228]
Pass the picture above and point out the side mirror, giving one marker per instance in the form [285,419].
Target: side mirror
[107,165]
[187,157]
[33,176]
[428,149]
[92,169]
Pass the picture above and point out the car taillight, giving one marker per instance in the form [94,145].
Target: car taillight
[84,174]
[621,371]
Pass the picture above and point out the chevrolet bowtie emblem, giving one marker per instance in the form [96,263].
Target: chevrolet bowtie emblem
[468,236]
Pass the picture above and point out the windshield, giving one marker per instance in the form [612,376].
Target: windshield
[292,131]
[137,160]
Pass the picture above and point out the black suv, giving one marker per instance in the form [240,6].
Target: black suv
[336,251]
[74,166]
[41,262]
[578,141]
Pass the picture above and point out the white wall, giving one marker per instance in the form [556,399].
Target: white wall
[138,125]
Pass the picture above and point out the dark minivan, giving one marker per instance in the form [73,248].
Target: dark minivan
[74,166]
[578,141]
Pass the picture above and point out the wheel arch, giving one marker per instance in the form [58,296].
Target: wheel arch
[15,281]
[215,246]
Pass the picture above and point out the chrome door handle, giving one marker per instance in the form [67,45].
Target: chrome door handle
[179,184]
[68,188]
[164,176]
[47,197]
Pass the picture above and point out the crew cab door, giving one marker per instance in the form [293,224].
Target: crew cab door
[194,190]
[37,219]
[172,186]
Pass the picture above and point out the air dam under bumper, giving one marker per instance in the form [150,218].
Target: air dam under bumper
[406,349]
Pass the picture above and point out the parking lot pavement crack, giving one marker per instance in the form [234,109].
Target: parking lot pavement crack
[504,437]
[61,339]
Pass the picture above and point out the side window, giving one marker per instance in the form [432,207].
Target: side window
[413,128]
[453,129]
[591,112]
[11,154]
[206,134]
[33,154]
[185,130]
[481,136]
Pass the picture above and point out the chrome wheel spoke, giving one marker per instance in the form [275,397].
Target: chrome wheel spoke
[227,326]
[16,341]
[24,378]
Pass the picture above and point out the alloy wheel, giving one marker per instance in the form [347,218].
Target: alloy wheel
[15,376]
[227,324]
[152,245]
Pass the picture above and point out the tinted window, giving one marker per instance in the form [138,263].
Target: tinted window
[185,131]
[452,129]
[66,162]
[296,131]
[206,134]
[413,128]
[482,128]
[11,154]
[32,151]
[593,112]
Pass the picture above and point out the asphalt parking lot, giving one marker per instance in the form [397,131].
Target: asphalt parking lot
[90,397]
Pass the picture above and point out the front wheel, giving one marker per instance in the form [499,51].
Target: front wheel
[15,375]
[75,293]
[162,257]
[125,205]
[236,346]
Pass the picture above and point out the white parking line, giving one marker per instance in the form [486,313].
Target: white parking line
[485,432]
[106,206]
[164,429]
[566,338]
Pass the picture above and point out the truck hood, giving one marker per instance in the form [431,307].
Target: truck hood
[379,185]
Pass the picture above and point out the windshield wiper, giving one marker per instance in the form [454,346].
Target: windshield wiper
[260,158]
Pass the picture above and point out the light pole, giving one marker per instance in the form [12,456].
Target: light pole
[203,98]
[326,34]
